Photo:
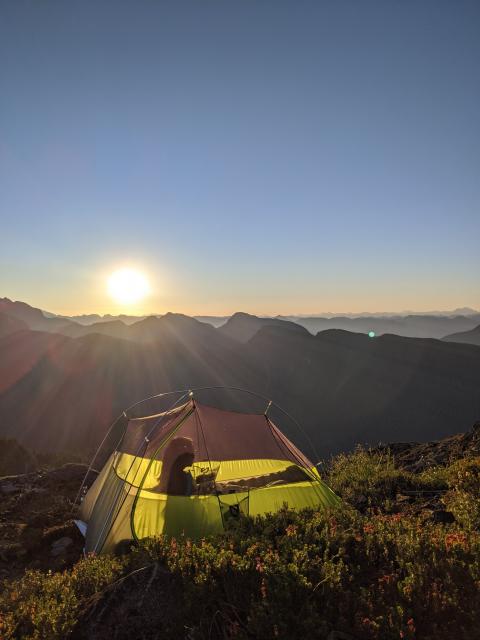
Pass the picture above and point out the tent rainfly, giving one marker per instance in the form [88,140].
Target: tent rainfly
[191,469]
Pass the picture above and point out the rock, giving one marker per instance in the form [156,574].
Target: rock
[70,472]
[60,546]
[339,635]
[39,490]
[440,515]
[9,487]
[416,456]
[12,550]
[65,541]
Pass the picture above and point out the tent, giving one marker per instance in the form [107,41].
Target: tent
[191,469]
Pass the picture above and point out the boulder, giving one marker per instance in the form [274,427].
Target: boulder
[9,487]
[445,517]
[59,546]
[339,635]
[71,472]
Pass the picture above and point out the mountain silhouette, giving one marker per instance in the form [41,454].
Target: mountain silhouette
[32,317]
[59,392]
[10,324]
[112,328]
[243,326]
[410,326]
[348,388]
[469,337]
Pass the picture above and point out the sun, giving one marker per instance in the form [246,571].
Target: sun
[127,286]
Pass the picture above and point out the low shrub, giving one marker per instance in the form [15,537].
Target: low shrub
[303,574]
[463,498]
[366,478]
[46,605]
[433,478]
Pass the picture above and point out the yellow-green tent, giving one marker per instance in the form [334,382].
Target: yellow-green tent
[189,470]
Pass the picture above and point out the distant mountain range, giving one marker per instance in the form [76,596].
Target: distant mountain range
[218,320]
[412,325]
[469,337]
[61,383]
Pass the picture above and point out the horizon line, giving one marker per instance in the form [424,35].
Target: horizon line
[466,309]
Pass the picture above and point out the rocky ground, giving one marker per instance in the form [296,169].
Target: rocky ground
[36,520]
[419,456]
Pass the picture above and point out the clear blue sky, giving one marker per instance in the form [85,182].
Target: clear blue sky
[273,157]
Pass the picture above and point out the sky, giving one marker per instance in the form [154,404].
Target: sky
[266,156]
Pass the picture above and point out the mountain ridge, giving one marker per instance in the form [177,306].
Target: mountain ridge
[62,391]
[469,337]
[420,325]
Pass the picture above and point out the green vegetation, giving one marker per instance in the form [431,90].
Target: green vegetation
[384,570]
[463,498]
[364,478]
[371,479]
[46,605]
